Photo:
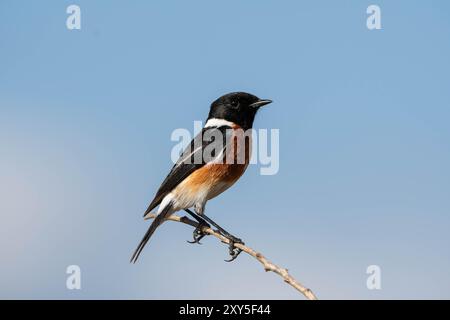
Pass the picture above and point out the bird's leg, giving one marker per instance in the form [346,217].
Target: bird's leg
[198,233]
[234,252]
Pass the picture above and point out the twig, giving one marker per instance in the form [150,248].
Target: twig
[268,266]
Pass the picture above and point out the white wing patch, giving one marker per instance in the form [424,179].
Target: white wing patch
[165,201]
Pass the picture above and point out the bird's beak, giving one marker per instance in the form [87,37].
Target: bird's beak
[260,103]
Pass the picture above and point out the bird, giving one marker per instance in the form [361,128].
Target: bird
[214,160]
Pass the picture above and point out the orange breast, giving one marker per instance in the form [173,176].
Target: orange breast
[220,176]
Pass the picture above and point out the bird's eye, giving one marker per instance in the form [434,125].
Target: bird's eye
[235,104]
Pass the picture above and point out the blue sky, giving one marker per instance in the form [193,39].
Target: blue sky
[85,124]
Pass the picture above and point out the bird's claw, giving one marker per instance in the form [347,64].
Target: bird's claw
[198,234]
[234,252]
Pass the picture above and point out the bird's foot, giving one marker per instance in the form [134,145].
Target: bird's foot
[198,233]
[234,252]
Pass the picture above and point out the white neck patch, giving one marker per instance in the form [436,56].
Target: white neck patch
[218,123]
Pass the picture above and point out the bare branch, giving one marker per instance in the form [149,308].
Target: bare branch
[268,266]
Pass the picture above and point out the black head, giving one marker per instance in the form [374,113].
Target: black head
[237,107]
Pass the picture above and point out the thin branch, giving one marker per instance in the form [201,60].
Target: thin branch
[268,266]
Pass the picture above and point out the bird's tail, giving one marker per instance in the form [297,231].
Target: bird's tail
[155,224]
